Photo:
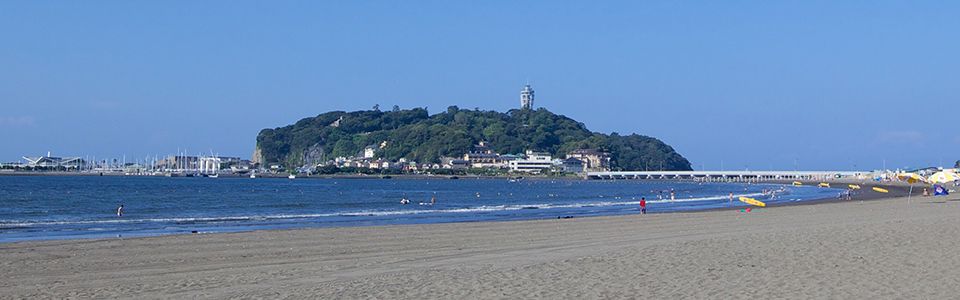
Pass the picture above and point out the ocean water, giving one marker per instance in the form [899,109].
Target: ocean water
[34,208]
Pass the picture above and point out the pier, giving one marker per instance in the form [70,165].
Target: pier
[735,176]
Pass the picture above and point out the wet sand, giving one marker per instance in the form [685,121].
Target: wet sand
[884,248]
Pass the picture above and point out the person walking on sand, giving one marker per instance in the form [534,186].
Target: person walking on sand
[643,205]
[120,211]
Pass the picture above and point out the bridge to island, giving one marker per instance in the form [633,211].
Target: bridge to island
[725,175]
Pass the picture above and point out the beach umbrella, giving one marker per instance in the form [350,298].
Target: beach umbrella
[943,177]
[910,178]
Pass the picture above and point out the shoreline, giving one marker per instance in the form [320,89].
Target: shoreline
[884,248]
[864,195]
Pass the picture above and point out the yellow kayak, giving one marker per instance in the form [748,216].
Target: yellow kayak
[854,186]
[797,183]
[752,201]
[824,184]
[880,190]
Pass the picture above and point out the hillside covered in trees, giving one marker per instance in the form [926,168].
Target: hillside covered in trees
[417,136]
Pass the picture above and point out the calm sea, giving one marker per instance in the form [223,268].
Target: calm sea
[33,208]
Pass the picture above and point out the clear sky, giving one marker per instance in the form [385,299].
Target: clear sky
[749,84]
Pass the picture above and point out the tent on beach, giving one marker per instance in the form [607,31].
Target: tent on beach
[939,190]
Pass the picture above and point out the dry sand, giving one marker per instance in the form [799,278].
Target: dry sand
[875,249]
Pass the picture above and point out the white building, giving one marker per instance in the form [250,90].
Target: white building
[54,162]
[526,97]
[536,162]
[369,152]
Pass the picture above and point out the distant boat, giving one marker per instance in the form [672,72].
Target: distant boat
[253,175]
[292,176]
[214,175]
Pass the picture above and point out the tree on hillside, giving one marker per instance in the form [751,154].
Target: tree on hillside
[415,135]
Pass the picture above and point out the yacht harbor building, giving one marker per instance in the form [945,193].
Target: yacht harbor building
[54,162]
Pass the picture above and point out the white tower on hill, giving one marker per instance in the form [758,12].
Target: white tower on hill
[526,97]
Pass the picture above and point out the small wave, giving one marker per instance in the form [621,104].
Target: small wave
[15,224]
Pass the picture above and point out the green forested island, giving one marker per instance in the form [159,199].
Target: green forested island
[415,135]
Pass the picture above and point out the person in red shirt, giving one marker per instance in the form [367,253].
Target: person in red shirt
[643,205]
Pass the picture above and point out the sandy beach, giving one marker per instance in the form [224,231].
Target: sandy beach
[884,248]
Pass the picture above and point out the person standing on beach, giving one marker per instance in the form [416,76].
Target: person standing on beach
[120,211]
[643,205]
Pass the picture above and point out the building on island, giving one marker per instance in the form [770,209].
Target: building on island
[454,163]
[369,151]
[571,165]
[535,162]
[483,157]
[593,160]
[483,160]
[526,97]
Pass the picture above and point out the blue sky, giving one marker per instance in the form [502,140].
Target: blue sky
[749,84]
